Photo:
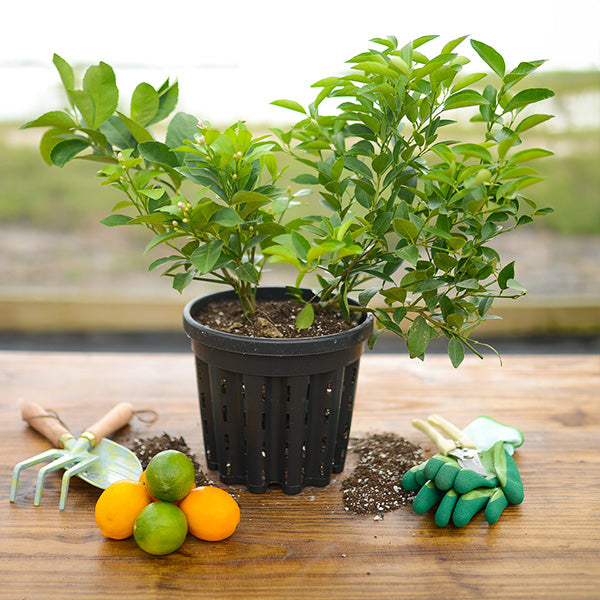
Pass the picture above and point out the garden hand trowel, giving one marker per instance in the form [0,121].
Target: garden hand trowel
[92,457]
[460,446]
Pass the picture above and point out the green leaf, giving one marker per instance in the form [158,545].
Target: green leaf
[528,96]
[156,218]
[399,314]
[159,262]
[513,284]
[161,238]
[290,104]
[305,179]
[305,317]
[382,222]
[182,127]
[247,272]
[455,320]
[490,56]
[407,229]
[167,101]
[115,220]
[321,249]
[444,262]
[468,284]
[397,63]
[154,193]
[532,121]
[394,294]
[388,43]
[326,82]
[456,351]
[474,150]
[55,118]
[507,273]
[374,337]
[423,40]
[100,85]
[530,154]
[122,204]
[467,80]
[205,257]
[117,134]
[65,72]
[65,151]
[357,166]
[283,254]
[48,141]
[158,153]
[452,44]
[409,254]
[182,280]
[227,217]
[337,168]
[137,131]
[464,98]
[84,105]
[367,295]
[418,337]
[375,68]
[144,103]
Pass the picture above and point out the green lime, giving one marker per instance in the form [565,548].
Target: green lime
[170,476]
[160,528]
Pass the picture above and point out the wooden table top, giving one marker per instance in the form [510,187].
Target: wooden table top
[308,546]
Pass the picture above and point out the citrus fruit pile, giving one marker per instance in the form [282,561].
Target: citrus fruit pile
[160,508]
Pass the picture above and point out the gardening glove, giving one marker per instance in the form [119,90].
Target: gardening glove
[461,493]
[468,496]
[443,470]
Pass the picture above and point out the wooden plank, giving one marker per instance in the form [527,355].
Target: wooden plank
[85,314]
[308,545]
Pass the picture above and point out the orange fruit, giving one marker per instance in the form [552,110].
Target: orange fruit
[142,479]
[161,528]
[118,506]
[212,513]
[170,476]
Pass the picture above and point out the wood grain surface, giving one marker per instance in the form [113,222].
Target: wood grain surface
[308,546]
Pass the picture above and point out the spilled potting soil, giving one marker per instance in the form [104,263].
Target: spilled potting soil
[375,484]
[373,487]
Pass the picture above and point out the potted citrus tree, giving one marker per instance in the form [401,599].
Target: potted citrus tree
[403,243]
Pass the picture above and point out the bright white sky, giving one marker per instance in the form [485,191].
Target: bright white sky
[233,57]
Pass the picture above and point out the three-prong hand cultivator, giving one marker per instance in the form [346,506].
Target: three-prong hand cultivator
[92,457]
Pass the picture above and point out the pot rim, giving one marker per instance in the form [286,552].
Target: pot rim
[270,346]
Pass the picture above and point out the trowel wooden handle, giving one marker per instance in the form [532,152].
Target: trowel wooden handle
[114,419]
[45,423]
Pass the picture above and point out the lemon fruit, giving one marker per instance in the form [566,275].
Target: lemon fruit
[160,528]
[211,512]
[170,476]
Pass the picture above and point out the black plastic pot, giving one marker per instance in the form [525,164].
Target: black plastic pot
[275,411]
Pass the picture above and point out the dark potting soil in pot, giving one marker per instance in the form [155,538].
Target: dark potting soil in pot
[375,484]
[273,319]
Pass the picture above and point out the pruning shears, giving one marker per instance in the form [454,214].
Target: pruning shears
[460,447]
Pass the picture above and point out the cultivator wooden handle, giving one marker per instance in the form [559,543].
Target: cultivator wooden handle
[45,423]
